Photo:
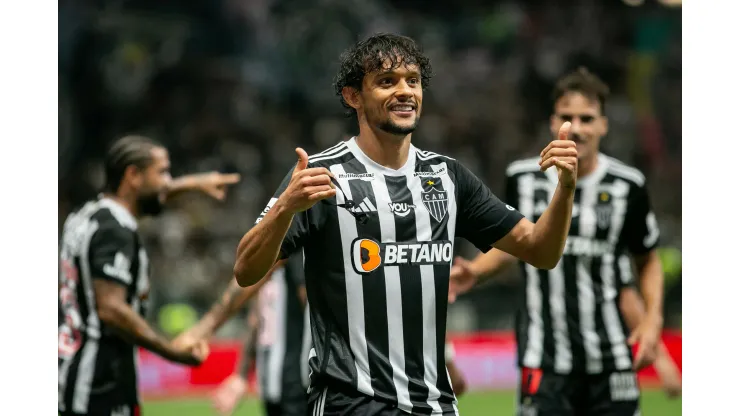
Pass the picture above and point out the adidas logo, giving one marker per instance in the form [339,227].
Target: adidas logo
[364,206]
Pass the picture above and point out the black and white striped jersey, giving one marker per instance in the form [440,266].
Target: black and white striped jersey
[284,337]
[377,264]
[99,241]
[570,321]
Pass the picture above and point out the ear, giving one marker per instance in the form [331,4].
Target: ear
[351,97]
[133,176]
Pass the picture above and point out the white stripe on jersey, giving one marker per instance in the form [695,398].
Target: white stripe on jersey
[535,333]
[558,315]
[305,350]
[586,298]
[276,357]
[318,408]
[394,304]
[353,287]
[341,153]
[429,317]
[330,151]
[619,190]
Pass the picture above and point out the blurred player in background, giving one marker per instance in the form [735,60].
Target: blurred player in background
[104,281]
[281,343]
[573,344]
[377,219]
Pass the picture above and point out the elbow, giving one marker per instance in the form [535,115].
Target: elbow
[106,312]
[242,277]
[544,261]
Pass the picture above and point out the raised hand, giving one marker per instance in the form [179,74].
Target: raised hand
[562,154]
[215,184]
[307,186]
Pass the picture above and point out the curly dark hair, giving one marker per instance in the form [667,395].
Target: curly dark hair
[369,55]
[585,82]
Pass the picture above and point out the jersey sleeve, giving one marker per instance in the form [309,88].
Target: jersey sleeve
[483,218]
[299,230]
[512,191]
[112,249]
[294,269]
[641,226]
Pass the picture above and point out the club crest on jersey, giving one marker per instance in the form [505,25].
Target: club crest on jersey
[603,215]
[434,197]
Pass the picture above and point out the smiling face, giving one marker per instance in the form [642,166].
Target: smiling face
[588,126]
[390,99]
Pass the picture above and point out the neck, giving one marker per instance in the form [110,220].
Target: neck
[588,166]
[124,200]
[383,148]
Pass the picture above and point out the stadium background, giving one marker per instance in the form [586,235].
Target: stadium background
[235,85]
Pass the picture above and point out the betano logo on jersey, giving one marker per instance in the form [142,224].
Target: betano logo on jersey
[434,197]
[368,255]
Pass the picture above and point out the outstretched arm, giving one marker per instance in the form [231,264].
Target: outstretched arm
[233,298]
[213,184]
[116,313]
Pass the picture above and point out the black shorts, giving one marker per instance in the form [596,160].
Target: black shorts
[108,410]
[332,402]
[292,407]
[605,394]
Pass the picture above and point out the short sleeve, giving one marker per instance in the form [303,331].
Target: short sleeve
[294,269]
[641,230]
[112,249]
[482,218]
[298,232]
[512,191]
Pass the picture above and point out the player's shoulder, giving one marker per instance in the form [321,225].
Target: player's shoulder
[103,216]
[618,169]
[523,166]
[432,157]
[338,153]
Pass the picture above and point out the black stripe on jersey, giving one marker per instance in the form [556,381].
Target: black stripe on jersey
[412,314]
[373,288]
[441,286]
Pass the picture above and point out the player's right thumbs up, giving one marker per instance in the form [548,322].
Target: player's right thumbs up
[307,185]
[302,160]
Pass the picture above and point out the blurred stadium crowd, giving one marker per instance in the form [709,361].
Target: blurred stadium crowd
[235,86]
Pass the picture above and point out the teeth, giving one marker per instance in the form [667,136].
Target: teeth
[402,108]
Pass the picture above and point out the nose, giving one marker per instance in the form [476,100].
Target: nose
[575,125]
[404,91]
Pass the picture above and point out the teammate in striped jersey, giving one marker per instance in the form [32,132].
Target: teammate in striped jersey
[377,218]
[280,345]
[573,343]
[104,281]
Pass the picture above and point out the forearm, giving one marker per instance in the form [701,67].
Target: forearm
[651,284]
[551,230]
[260,247]
[182,184]
[248,352]
[134,328]
[488,264]
[233,298]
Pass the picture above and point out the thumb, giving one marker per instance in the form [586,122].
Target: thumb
[302,159]
[564,131]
